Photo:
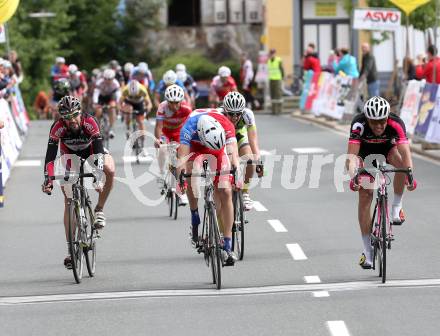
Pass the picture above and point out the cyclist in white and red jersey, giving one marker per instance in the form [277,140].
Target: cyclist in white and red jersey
[208,132]
[107,92]
[78,82]
[376,133]
[171,115]
[221,85]
[77,134]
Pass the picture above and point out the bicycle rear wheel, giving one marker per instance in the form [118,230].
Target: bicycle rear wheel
[383,240]
[74,234]
[90,249]
[215,249]
[238,226]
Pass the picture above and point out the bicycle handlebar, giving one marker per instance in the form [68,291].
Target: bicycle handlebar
[407,171]
[66,177]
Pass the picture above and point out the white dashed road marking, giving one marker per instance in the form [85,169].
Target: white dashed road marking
[277,225]
[27,163]
[312,279]
[258,206]
[320,294]
[338,328]
[141,159]
[265,152]
[296,252]
[309,150]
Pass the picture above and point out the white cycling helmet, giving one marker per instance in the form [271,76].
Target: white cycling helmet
[180,67]
[169,77]
[109,74]
[234,102]
[60,60]
[174,94]
[211,133]
[128,67]
[376,108]
[224,71]
[133,87]
[142,67]
[182,76]
[73,69]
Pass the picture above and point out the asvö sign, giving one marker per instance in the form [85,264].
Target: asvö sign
[376,19]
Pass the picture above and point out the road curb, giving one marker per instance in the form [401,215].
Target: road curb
[344,128]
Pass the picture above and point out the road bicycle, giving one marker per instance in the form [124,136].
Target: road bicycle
[104,125]
[210,242]
[82,235]
[169,187]
[382,234]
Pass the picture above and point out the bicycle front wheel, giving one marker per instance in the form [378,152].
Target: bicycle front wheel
[215,249]
[176,204]
[238,226]
[90,249]
[383,238]
[75,249]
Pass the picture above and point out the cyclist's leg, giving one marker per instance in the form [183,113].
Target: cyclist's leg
[395,159]
[364,216]
[162,154]
[128,110]
[109,171]
[112,112]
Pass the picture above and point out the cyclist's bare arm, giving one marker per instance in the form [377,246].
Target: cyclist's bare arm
[232,150]
[350,164]
[158,131]
[182,155]
[253,142]
[405,152]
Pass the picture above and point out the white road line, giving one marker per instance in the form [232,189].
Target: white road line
[312,279]
[27,163]
[296,252]
[277,225]
[258,206]
[337,328]
[264,290]
[309,150]
[141,159]
[320,294]
[265,152]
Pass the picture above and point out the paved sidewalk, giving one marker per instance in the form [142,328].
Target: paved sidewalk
[336,125]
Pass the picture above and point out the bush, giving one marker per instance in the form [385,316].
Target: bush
[197,65]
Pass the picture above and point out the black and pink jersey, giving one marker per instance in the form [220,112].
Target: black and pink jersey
[361,133]
[84,143]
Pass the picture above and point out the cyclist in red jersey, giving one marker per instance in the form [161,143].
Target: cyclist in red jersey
[77,134]
[221,85]
[171,115]
[376,133]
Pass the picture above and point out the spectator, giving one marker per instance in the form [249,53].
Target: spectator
[247,79]
[59,70]
[41,105]
[347,64]
[311,59]
[16,65]
[368,71]
[276,75]
[409,67]
[332,57]
[420,66]
[433,62]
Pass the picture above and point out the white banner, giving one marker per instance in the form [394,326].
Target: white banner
[254,11]
[410,105]
[220,15]
[2,34]
[433,133]
[376,19]
[11,142]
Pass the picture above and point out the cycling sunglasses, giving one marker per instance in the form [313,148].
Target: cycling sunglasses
[234,114]
[71,115]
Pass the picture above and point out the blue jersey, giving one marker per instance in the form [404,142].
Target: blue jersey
[161,87]
[189,135]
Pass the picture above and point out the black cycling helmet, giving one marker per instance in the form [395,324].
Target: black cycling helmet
[62,86]
[69,107]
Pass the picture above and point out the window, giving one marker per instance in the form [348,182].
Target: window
[184,13]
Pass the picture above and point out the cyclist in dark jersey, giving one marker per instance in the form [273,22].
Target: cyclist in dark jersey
[377,135]
[77,135]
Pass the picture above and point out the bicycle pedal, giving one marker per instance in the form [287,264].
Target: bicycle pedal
[246,221]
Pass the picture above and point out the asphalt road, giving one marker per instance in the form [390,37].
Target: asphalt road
[299,276]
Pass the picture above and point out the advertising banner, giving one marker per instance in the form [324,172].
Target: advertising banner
[433,133]
[426,107]
[308,76]
[313,91]
[376,19]
[410,106]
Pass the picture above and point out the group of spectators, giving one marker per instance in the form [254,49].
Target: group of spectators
[10,74]
[427,66]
